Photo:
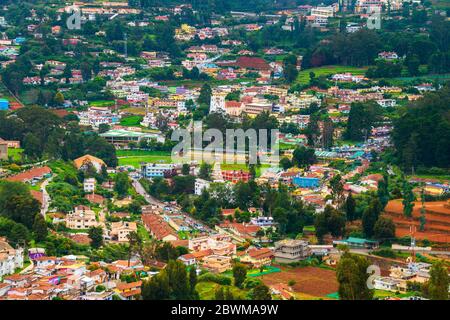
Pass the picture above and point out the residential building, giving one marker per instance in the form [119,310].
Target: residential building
[153,170]
[200,185]
[81,217]
[258,257]
[216,263]
[86,161]
[10,258]
[121,230]
[89,185]
[287,251]
[158,227]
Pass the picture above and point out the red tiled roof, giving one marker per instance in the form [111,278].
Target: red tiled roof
[252,63]
[30,174]
[158,227]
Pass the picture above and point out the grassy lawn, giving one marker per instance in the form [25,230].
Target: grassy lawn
[135,161]
[206,291]
[131,121]
[135,157]
[303,76]
[16,154]
[143,233]
[102,103]
[140,153]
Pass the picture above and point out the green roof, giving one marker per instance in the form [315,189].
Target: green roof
[358,240]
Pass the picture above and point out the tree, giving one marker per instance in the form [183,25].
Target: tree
[192,278]
[337,189]
[205,171]
[383,192]
[239,274]
[437,287]
[261,292]
[350,207]
[352,277]
[360,119]
[185,169]
[59,98]
[285,163]
[384,229]
[96,236]
[39,228]
[408,199]
[205,95]
[303,157]
[122,184]
[370,217]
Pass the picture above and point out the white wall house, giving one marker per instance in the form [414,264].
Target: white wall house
[200,185]
[10,258]
[89,185]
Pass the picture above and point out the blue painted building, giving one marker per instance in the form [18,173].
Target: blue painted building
[4,104]
[305,182]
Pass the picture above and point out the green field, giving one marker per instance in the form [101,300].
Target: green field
[102,103]
[135,157]
[131,121]
[303,76]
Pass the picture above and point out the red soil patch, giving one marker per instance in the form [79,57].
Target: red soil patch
[437,217]
[313,281]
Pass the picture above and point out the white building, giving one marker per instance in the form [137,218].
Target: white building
[153,170]
[387,103]
[323,12]
[200,185]
[10,258]
[89,185]
[81,218]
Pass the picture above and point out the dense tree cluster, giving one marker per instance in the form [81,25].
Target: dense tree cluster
[421,134]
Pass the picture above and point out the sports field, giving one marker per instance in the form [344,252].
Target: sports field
[303,76]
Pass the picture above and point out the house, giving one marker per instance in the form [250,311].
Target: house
[200,185]
[32,175]
[282,290]
[216,263]
[158,227]
[86,161]
[121,230]
[387,283]
[258,257]
[239,231]
[353,242]
[81,217]
[262,221]
[388,55]
[10,258]
[128,290]
[287,251]
[153,170]
[219,244]
[305,182]
[188,259]
[89,185]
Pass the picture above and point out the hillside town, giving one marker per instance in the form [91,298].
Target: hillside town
[97,202]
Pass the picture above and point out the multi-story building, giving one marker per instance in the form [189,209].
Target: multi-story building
[89,185]
[287,250]
[200,185]
[153,170]
[10,258]
[81,217]
[217,263]
[121,230]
